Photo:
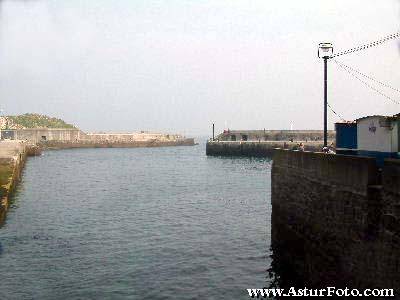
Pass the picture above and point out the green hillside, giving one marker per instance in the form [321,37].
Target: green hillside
[37,121]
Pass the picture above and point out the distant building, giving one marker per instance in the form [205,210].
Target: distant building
[375,136]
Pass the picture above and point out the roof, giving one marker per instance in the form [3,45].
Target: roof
[379,116]
[347,123]
[373,116]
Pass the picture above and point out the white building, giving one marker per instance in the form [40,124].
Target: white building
[378,134]
[373,136]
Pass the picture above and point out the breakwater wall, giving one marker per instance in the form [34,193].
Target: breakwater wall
[12,159]
[335,220]
[65,138]
[115,144]
[275,135]
[76,136]
[256,148]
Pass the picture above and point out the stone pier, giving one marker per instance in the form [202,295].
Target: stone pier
[335,220]
[12,159]
[256,148]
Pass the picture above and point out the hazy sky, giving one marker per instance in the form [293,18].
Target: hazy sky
[181,65]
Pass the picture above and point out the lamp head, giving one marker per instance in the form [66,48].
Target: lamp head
[325,50]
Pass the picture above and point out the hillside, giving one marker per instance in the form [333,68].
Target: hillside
[32,120]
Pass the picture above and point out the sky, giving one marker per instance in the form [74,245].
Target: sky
[179,66]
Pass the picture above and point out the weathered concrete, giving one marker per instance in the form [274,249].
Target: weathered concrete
[12,159]
[257,148]
[36,135]
[275,135]
[333,222]
[75,138]
[131,137]
[115,144]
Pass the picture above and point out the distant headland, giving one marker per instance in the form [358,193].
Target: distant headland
[32,120]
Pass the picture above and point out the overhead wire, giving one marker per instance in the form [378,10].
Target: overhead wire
[335,113]
[352,71]
[367,84]
[369,45]
[367,76]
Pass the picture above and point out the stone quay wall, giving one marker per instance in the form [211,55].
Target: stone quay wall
[255,148]
[12,159]
[335,220]
[275,135]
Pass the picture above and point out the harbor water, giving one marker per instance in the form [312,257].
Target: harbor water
[142,223]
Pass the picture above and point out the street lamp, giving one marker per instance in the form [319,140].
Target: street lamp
[325,51]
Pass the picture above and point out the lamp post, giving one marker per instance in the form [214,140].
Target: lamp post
[325,51]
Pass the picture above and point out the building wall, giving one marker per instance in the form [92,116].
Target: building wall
[333,223]
[346,135]
[371,136]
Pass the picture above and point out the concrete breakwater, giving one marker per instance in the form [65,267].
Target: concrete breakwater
[256,148]
[335,221]
[114,144]
[61,138]
[12,159]
[274,135]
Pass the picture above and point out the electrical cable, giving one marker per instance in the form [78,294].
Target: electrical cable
[367,76]
[334,112]
[369,45]
[367,84]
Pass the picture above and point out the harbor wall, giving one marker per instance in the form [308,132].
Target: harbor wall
[335,220]
[75,138]
[255,148]
[275,135]
[115,143]
[131,137]
[36,135]
[12,159]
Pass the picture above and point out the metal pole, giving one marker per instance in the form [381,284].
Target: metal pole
[325,101]
[213,132]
